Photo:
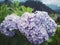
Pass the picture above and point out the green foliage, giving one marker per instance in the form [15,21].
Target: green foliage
[55,17]
[28,9]
[49,40]
[4,11]
[19,10]
[18,39]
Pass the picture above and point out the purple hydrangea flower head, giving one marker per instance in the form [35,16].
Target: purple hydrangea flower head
[37,26]
[8,25]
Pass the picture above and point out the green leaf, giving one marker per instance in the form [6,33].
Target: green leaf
[49,40]
[4,11]
[29,9]
[24,9]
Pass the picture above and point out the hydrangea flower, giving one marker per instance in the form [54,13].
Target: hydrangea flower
[9,25]
[37,26]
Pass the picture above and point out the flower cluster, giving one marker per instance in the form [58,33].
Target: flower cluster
[37,26]
[9,25]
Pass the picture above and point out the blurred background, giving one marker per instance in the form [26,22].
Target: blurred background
[50,6]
